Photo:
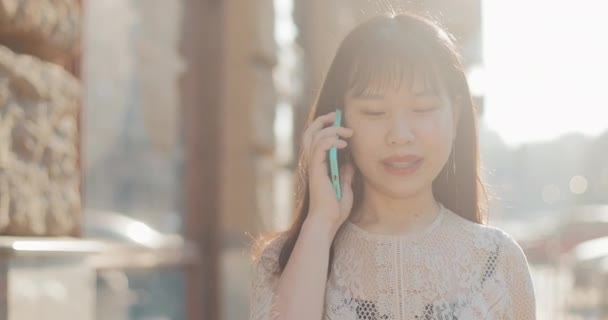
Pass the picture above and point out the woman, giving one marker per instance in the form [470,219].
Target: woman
[407,239]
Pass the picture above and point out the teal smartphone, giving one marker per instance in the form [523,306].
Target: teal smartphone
[333,160]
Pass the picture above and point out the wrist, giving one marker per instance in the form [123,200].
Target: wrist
[320,226]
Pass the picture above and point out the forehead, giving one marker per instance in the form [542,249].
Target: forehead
[418,83]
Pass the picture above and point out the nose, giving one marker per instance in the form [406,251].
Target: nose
[400,132]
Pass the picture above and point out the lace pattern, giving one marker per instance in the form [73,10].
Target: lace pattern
[456,269]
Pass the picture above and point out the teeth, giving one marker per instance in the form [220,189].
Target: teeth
[401,164]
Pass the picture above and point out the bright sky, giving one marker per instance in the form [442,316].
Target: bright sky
[546,68]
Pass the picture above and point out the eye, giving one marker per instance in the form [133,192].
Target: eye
[425,110]
[374,113]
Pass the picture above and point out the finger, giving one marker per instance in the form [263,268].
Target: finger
[320,152]
[314,127]
[321,122]
[332,132]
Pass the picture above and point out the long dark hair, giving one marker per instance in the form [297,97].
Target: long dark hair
[381,51]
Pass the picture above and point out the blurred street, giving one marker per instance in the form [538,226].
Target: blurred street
[144,144]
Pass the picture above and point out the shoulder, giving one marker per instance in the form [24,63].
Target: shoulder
[485,237]
[501,257]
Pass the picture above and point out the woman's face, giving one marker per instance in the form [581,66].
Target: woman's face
[402,137]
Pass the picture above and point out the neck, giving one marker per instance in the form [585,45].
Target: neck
[382,213]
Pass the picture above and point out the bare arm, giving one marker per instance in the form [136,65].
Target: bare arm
[301,288]
[299,292]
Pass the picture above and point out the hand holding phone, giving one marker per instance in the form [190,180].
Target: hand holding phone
[333,160]
[330,187]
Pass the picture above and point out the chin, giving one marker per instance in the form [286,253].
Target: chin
[401,190]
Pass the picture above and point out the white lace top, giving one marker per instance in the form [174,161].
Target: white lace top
[454,269]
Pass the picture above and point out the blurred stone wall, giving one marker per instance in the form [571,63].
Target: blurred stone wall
[39,118]
[48,29]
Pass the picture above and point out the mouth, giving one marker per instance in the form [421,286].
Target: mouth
[402,166]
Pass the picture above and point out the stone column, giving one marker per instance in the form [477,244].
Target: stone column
[228,103]
[247,114]
[39,116]
[247,140]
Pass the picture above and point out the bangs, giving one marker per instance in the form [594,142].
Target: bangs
[385,65]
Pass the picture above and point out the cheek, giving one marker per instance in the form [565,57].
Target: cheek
[365,143]
[437,137]
[436,132]
[362,145]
